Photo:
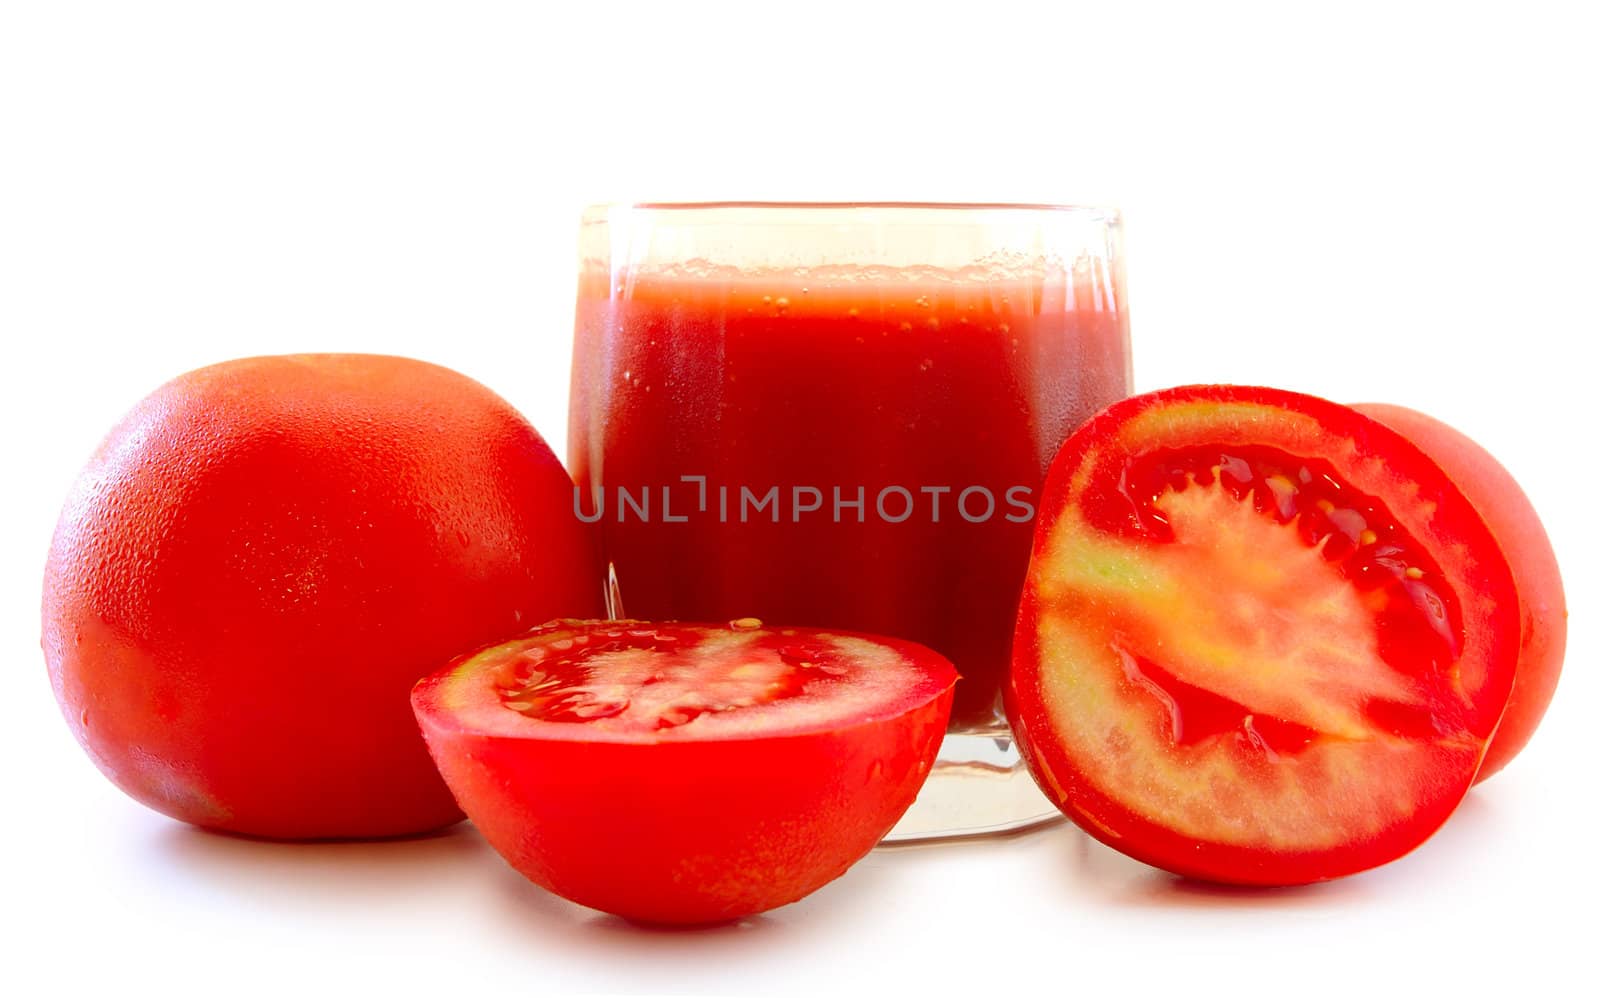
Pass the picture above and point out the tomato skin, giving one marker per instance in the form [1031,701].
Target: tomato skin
[1510,515]
[682,831]
[1420,495]
[262,558]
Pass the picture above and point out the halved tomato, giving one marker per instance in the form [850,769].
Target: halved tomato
[1263,638]
[680,773]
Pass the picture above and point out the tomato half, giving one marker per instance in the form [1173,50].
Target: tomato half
[1263,638]
[678,773]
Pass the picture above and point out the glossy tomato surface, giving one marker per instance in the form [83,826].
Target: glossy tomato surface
[1541,598]
[265,555]
[680,774]
[1263,638]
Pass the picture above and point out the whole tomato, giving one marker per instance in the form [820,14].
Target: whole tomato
[265,555]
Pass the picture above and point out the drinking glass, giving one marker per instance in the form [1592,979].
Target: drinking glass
[840,415]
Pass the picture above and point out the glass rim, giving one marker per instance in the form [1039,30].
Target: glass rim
[1104,212]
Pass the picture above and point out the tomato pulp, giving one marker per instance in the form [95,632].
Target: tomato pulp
[1542,600]
[916,411]
[1264,639]
[680,773]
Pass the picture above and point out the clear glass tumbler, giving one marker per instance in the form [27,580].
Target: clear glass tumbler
[840,415]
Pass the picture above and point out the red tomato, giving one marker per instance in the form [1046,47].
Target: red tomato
[1540,596]
[680,773]
[265,555]
[1263,638]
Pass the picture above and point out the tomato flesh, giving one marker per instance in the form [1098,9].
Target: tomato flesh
[1262,640]
[1510,515]
[678,773]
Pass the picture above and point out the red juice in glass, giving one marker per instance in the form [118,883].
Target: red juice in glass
[839,416]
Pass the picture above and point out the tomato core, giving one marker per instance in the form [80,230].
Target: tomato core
[1418,614]
[1263,607]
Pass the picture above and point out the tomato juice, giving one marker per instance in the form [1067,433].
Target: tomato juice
[847,447]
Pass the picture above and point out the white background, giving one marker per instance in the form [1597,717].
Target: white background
[1371,203]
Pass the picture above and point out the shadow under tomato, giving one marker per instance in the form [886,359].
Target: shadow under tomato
[357,871]
[520,909]
[850,899]
[1121,880]
[977,839]
[1169,891]
[526,901]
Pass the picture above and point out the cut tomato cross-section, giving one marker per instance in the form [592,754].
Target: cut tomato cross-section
[1263,639]
[683,773]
